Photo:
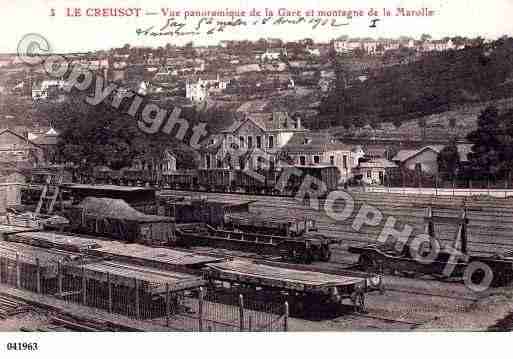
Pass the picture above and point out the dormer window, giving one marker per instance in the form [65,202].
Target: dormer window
[212,141]
[307,141]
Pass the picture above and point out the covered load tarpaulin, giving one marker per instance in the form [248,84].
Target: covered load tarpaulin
[114,218]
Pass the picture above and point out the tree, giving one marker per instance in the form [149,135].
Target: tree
[99,135]
[421,122]
[308,42]
[425,37]
[486,142]
[338,101]
[449,161]
[126,49]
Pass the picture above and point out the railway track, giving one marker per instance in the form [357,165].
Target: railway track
[10,307]
[65,323]
[410,324]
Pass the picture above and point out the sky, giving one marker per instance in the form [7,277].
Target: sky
[471,18]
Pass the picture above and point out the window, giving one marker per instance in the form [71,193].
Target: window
[270,141]
[369,174]
[316,159]
[306,141]
[219,164]
[250,142]
[302,161]
[418,167]
[207,161]
[332,160]
[241,142]
[344,161]
[259,141]
[260,163]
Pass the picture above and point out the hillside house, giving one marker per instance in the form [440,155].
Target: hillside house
[425,159]
[165,163]
[198,89]
[18,149]
[316,148]
[375,171]
[48,144]
[272,55]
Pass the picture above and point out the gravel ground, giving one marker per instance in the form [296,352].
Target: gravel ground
[31,320]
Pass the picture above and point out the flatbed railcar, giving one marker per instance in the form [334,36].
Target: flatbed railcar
[298,230]
[445,265]
[435,259]
[306,292]
[305,249]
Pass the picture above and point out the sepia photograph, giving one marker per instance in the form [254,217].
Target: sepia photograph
[303,169]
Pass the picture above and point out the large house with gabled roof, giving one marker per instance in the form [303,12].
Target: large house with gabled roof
[258,137]
[270,140]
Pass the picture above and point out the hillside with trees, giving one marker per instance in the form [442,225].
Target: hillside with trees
[434,84]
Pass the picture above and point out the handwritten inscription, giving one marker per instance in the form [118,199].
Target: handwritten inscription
[211,25]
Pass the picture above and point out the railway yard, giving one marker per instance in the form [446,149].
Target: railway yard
[404,300]
[421,303]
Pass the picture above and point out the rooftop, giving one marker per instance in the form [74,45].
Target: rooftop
[315,142]
[377,163]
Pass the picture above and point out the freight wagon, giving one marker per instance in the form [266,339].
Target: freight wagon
[286,181]
[186,179]
[305,249]
[114,218]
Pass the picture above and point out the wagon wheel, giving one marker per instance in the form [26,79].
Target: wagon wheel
[377,283]
[358,302]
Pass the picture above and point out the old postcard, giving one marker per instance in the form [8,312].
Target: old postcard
[270,166]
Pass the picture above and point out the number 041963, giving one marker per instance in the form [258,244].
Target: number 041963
[22,346]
